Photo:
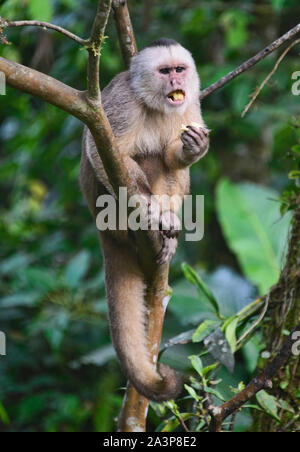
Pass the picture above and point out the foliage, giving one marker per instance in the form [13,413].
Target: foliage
[60,372]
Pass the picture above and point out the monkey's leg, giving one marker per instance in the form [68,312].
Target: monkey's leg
[160,217]
[128,317]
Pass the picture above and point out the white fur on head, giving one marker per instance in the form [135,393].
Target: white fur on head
[150,89]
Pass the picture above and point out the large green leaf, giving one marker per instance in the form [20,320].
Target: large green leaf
[251,222]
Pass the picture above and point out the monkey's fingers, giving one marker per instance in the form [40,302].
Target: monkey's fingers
[202,133]
[189,140]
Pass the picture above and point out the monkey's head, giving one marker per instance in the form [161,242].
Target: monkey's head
[164,77]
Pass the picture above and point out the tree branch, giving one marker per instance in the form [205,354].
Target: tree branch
[94,48]
[251,62]
[259,89]
[36,23]
[45,88]
[263,381]
[125,31]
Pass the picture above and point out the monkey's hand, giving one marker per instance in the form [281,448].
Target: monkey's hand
[170,226]
[195,144]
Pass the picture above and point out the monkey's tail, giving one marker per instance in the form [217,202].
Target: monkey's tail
[126,293]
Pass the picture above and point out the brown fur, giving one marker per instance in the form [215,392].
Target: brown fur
[150,143]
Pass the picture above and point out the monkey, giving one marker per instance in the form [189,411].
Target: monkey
[146,107]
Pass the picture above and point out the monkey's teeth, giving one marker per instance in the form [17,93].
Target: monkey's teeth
[176,95]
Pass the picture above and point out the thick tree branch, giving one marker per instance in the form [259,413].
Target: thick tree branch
[45,88]
[125,30]
[251,62]
[263,381]
[36,23]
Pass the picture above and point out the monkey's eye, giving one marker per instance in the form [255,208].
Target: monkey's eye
[164,70]
[180,69]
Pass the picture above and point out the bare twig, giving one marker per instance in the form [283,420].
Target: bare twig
[257,321]
[263,381]
[36,23]
[232,421]
[251,62]
[125,30]
[182,423]
[258,90]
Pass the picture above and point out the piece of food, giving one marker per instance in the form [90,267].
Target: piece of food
[185,128]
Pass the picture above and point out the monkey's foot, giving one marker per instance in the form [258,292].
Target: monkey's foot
[168,250]
[170,224]
[167,221]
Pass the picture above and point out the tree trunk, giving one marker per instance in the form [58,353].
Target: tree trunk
[285,315]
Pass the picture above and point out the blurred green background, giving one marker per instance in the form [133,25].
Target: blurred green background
[60,372]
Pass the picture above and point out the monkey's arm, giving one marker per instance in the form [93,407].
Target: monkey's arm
[191,147]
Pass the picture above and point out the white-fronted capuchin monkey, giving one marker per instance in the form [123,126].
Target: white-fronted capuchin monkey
[146,107]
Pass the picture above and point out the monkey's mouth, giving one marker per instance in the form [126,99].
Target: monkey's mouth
[176,97]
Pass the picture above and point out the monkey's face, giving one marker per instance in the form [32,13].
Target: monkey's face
[165,78]
[174,82]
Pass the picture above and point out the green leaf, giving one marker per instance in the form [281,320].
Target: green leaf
[14,263]
[215,393]
[195,279]
[192,392]
[3,415]
[254,230]
[37,13]
[41,279]
[230,333]
[208,369]
[284,384]
[169,425]
[251,352]
[297,393]
[204,329]
[77,269]
[268,403]
[196,363]
[278,4]
[295,174]
[26,299]
[235,24]
[296,148]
